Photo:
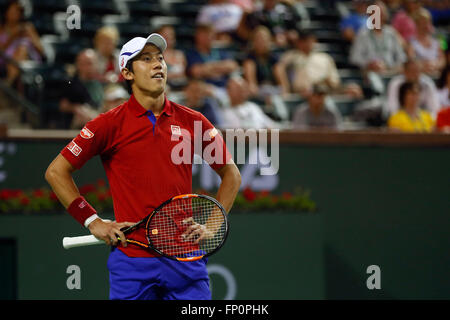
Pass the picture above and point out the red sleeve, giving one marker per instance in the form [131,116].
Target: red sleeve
[95,138]
[214,149]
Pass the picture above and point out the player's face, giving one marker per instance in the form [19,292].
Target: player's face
[150,71]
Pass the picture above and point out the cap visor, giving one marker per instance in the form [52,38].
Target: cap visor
[158,41]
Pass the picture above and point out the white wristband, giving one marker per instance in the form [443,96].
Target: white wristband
[90,219]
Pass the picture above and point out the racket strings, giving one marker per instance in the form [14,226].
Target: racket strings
[176,228]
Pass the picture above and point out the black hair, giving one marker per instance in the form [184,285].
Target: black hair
[442,81]
[128,83]
[306,34]
[6,8]
[404,89]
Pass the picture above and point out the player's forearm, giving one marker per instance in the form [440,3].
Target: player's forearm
[229,187]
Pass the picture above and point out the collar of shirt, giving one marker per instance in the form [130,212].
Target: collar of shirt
[138,110]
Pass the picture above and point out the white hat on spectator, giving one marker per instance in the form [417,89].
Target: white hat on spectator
[114,92]
[135,45]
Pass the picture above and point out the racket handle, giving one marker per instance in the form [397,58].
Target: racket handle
[82,241]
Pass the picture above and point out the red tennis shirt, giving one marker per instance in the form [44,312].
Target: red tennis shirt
[147,160]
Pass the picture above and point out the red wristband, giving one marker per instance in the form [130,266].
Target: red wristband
[80,209]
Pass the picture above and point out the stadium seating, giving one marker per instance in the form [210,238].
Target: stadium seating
[140,17]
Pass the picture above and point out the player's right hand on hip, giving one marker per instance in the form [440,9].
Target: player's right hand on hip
[109,231]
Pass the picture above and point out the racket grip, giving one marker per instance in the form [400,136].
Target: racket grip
[82,241]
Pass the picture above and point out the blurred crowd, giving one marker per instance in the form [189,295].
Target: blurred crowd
[403,64]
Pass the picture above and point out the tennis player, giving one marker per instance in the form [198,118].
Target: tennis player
[135,142]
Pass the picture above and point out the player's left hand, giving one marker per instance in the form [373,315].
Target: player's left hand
[195,232]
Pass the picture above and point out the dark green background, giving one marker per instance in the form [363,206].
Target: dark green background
[380,206]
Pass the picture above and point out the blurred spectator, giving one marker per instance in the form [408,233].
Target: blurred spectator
[403,21]
[114,95]
[410,118]
[259,65]
[447,54]
[303,67]
[223,15]
[357,19]
[444,87]
[83,96]
[393,6]
[428,95]
[316,113]
[426,47]
[378,50]
[199,96]
[19,41]
[439,9]
[242,113]
[280,17]
[207,63]
[259,70]
[175,59]
[105,45]
[247,6]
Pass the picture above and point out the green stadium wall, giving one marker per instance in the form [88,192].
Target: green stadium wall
[377,205]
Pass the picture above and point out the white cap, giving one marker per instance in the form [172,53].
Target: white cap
[115,92]
[135,45]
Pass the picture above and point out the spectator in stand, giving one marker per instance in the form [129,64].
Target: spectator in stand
[316,113]
[83,96]
[447,53]
[114,95]
[175,59]
[224,16]
[259,65]
[259,70]
[350,25]
[242,113]
[207,63]
[199,96]
[444,87]
[303,67]
[428,95]
[379,53]
[393,6]
[19,41]
[403,21]
[105,45]
[280,17]
[380,50]
[411,118]
[439,9]
[426,47]
[247,6]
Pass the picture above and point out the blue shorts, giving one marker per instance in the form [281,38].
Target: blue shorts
[156,278]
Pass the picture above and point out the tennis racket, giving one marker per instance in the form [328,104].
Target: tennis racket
[185,228]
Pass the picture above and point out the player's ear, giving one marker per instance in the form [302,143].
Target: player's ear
[127,74]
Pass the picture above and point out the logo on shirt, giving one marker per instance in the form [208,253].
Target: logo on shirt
[74,148]
[175,130]
[86,133]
